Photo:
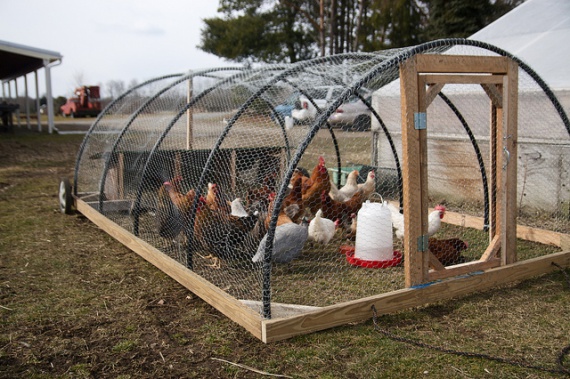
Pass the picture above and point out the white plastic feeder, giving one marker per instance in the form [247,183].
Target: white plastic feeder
[374,240]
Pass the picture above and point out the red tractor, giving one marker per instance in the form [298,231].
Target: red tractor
[86,103]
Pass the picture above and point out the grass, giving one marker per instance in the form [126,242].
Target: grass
[77,304]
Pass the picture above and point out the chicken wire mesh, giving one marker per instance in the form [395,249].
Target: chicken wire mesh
[276,193]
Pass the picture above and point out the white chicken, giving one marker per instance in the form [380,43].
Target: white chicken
[321,229]
[434,220]
[289,122]
[287,244]
[347,191]
[237,208]
[369,185]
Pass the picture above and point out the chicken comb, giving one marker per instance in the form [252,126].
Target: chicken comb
[440,208]
[321,160]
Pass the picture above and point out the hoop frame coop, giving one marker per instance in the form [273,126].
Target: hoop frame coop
[493,148]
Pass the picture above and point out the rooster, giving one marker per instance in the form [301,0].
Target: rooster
[448,251]
[318,182]
[322,229]
[434,220]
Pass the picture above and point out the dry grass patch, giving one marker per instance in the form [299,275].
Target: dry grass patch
[77,304]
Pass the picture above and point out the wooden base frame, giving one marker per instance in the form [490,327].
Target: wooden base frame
[427,280]
[290,321]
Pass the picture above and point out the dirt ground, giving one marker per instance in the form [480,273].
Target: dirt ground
[74,303]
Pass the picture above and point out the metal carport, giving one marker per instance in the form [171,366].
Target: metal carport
[18,61]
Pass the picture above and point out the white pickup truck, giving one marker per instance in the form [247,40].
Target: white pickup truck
[351,115]
[321,96]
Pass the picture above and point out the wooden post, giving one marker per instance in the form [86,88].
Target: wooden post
[423,173]
[189,118]
[411,172]
[493,172]
[121,176]
[499,77]
[509,168]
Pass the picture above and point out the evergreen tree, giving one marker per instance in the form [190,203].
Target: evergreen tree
[291,30]
[461,18]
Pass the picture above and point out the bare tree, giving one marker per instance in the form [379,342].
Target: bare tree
[79,78]
[115,88]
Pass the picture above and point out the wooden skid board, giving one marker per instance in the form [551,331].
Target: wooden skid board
[527,233]
[360,310]
[326,317]
[226,304]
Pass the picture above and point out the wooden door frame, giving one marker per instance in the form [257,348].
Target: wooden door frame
[421,78]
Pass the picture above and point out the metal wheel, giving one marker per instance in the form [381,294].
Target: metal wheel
[65,196]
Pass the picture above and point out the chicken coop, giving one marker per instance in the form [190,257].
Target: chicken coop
[454,177]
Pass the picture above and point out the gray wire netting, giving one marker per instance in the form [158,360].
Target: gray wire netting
[170,160]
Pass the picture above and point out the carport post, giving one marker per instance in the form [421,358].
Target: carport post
[38,102]
[49,96]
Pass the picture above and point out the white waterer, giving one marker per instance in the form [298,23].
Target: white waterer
[374,233]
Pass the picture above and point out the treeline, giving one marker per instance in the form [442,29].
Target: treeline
[281,31]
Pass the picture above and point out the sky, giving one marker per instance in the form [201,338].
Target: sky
[106,40]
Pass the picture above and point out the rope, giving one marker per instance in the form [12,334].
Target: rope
[559,359]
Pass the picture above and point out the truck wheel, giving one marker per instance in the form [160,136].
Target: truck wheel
[65,197]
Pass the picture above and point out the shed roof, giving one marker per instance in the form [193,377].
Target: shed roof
[536,32]
[17,60]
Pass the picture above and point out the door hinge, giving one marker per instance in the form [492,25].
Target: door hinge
[423,243]
[420,120]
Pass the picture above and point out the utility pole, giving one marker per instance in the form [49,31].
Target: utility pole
[322,28]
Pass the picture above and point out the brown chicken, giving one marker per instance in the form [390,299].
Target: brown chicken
[334,210]
[173,208]
[448,251]
[281,219]
[207,231]
[318,182]
[216,230]
[298,174]
[183,202]
[215,200]
[350,233]
[258,198]
[293,203]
